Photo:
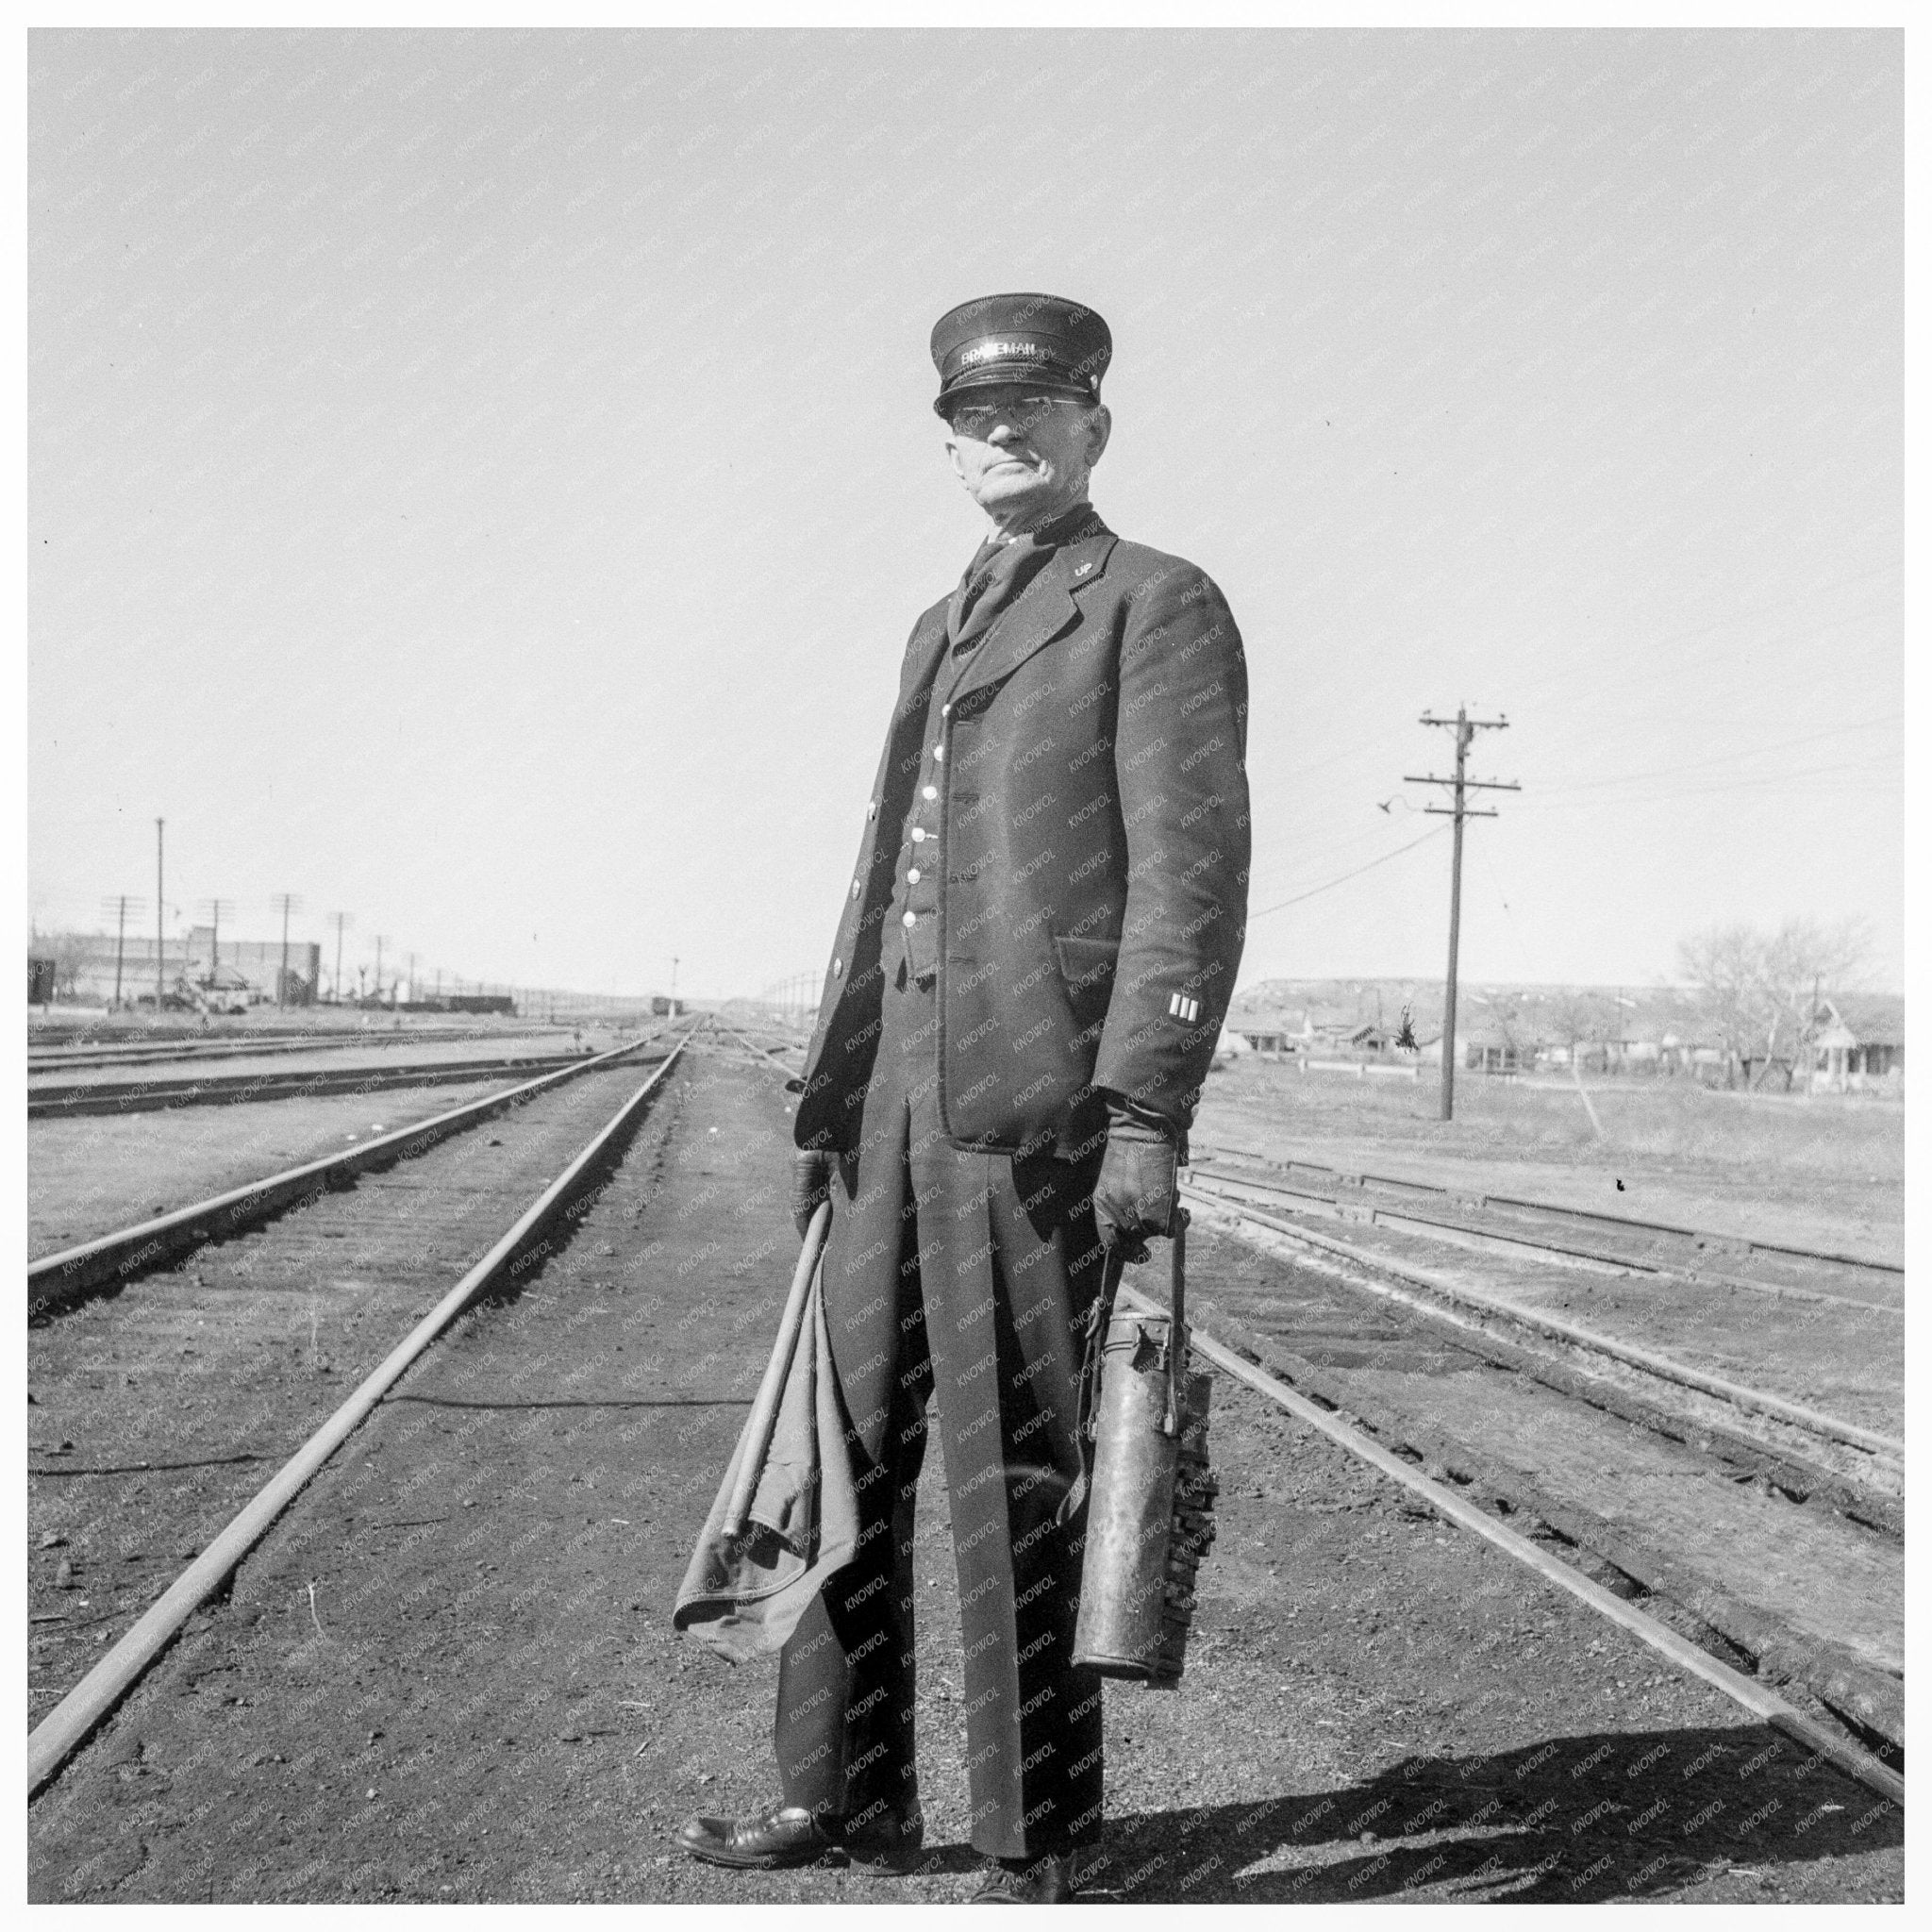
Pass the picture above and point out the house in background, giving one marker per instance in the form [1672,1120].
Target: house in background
[1646,1033]
[1860,1047]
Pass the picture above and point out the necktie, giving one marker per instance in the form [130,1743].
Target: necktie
[972,585]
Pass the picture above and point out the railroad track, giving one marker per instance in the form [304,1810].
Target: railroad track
[110,1262]
[1368,1363]
[407,1233]
[186,1714]
[1547,1295]
[1582,1235]
[93,1098]
[1665,1492]
[264,1045]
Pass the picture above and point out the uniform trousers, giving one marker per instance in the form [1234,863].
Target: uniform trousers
[959,1281]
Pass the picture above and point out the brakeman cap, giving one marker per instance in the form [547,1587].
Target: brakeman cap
[1042,340]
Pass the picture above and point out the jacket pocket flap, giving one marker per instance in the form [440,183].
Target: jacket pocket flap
[1084,963]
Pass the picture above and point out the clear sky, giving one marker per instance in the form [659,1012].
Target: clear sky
[484,482]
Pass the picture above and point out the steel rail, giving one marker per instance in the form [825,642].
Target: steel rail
[1755,1401]
[1776,1712]
[129,1252]
[229,1046]
[1747,1244]
[86,1098]
[1588,1260]
[1782,1717]
[55,1738]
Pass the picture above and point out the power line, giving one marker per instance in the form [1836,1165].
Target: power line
[1756,782]
[1344,878]
[1645,695]
[1730,757]
[1284,870]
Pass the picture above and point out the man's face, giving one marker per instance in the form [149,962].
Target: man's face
[1024,454]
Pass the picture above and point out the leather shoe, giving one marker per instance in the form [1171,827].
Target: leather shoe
[789,1834]
[1043,1881]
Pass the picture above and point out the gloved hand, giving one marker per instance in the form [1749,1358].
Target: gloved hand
[1135,1195]
[812,1182]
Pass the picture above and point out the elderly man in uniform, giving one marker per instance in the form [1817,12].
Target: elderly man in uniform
[1028,979]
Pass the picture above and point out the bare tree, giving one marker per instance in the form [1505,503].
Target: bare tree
[1759,992]
[1726,963]
[1805,960]
[1579,1018]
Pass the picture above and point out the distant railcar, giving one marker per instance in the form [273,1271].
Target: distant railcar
[479,1003]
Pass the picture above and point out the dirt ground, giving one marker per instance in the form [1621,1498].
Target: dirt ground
[1826,1172]
[448,1674]
[156,1412]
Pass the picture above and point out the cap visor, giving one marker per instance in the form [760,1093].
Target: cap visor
[1012,378]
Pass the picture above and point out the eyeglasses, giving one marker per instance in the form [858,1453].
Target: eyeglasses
[976,419]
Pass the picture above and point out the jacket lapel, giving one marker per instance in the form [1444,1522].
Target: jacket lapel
[1042,611]
[923,651]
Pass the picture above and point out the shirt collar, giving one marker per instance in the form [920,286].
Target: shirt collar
[1049,535]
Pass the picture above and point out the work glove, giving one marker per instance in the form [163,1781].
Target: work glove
[812,1182]
[1135,1195]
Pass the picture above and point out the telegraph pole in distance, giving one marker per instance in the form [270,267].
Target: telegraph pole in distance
[340,918]
[214,945]
[160,914]
[1466,728]
[120,902]
[285,902]
[380,938]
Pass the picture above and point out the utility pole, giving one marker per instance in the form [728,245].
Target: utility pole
[159,915]
[285,902]
[673,986]
[1466,728]
[214,964]
[120,902]
[379,939]
[342,919]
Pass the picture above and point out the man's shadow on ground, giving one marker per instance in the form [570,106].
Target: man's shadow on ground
[1572,1820]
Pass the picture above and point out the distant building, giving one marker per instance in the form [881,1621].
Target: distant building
[1270,1040]
[1627,1032]
[248,969]
[1860,1046]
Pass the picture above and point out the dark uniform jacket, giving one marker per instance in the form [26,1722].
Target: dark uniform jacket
[1092,869]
